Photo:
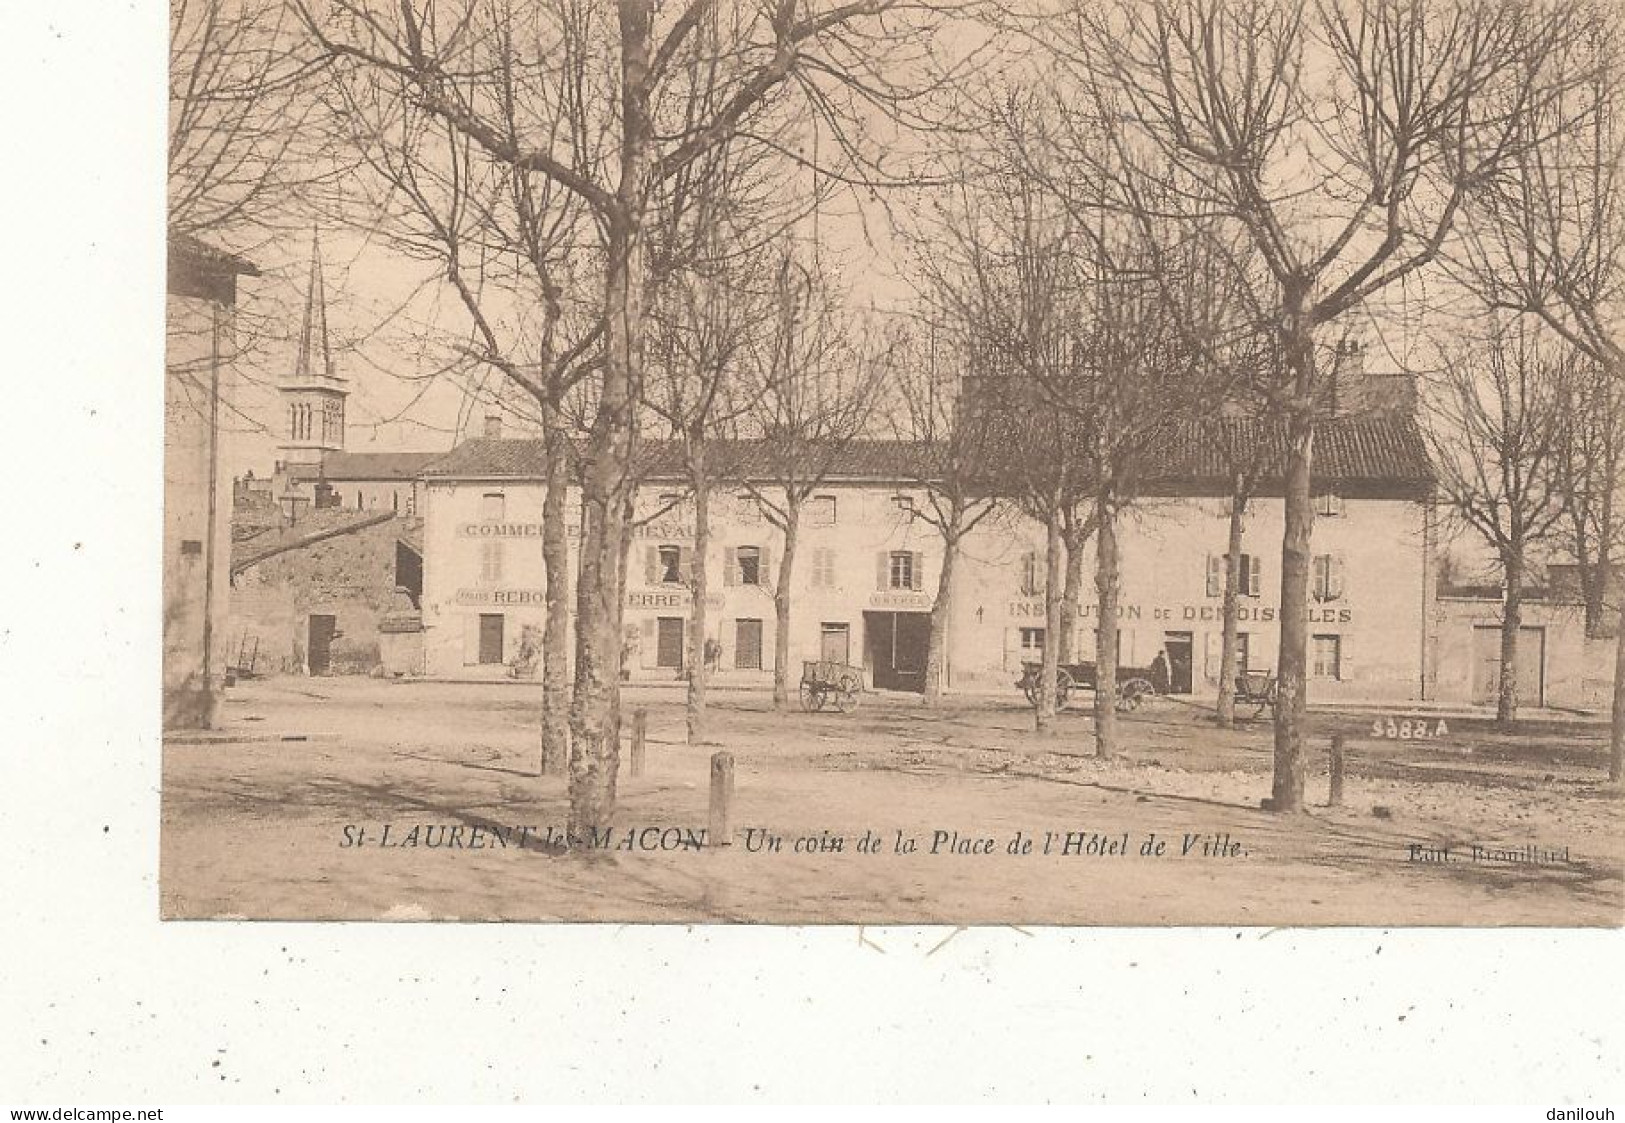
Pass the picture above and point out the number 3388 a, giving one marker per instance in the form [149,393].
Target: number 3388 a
[1409,729]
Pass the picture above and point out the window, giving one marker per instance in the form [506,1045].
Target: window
[670,505]
[669,565]
[1033,577]
[750,513]
[823,568]
[750,565]
[490,561]
[493,507]
[1329,504]
[901,570]
[1327,577]
[1326,657]
[822,511]
[1243,651]
[904,505]
[1032,645]
[1250,582]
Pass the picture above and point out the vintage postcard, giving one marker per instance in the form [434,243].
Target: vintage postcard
[1093,462]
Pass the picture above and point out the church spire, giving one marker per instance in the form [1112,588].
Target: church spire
[315,352]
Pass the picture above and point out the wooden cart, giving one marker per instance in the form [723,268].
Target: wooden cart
[1256,689]
[825,683]
[1134,684]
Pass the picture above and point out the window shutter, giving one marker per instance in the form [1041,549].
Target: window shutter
[1255,581]
[1012,649]
[881,575]
[1337,577]
[1215,575]
[1343,658]
[471,639]
[917,572]
[685,565]
[1213,660]
[764,568]
[648,648]
[730,566]
[651,566]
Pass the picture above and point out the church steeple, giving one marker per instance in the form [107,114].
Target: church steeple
[313,397]
[313,341]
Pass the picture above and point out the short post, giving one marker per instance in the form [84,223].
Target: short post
[640,726]
[722,797]
[1334,797]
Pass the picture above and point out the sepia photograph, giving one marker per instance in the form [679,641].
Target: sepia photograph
[978,462]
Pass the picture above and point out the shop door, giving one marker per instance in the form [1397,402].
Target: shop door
[490,637]
[1178,645]
[669,643]
[897,648]
[748,645]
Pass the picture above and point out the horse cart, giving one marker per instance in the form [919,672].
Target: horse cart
[1134,684]
[1256,689]
[825,683]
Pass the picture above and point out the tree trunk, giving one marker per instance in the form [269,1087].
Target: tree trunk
[1291,674]
[594,747]
[937,646]
[781,609]
[1072,534]
[556,632]
[1616,737]
[1506,697]
[698,670]
[1106,582]
[1054,547]
[1232,607]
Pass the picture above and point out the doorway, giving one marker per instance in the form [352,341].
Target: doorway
[895,645]
[1487,665]
[835,643]
[1178,645]
[491,637]
[669,643]
[322,631]
[747,645]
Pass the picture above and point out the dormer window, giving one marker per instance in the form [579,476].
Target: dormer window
[1329,504]
[493,507]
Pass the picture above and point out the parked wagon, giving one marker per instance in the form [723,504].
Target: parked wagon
[824,683]
[1256,689]
[1134,684]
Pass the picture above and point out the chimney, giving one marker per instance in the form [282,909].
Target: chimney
[493,426]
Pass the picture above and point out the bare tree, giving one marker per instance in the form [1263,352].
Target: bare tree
[1344,139]
[1498,432]
[1593,468]
[950,444]
[629,131]
[239,101]
[518,252]
[1548,231]
[702,328]
[812,385]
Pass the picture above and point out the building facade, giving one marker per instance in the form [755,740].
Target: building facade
[202,298]
[867,568]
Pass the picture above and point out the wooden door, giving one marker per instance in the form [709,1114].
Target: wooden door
[491,637]
[322,630]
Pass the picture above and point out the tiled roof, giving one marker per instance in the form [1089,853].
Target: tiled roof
[1362,453]
[376,465]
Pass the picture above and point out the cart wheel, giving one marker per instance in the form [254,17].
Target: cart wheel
[846,696]
[1030,689]
[1063,690]
[1132,693]
[811,700]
